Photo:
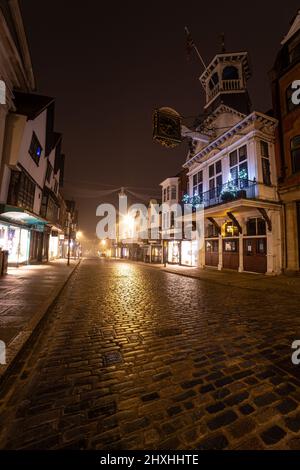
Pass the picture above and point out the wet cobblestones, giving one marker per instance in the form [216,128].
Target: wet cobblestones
[136,358]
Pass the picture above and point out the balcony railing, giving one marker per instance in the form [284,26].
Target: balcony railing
[240,188]
[225,85]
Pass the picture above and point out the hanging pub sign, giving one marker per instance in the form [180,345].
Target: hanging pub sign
[167,127]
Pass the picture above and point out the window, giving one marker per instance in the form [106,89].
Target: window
[168,193]
[198,184]
[261,247]
[264,151]
[215,181]
[35,149]
[164,195]
[239,167]
[295,153]
[230,73]
[294,50]
[21,190]
[249,247]
[212,231]
[256,226]
[212,246]
[48,172]
[173,192]
[231,230]
[231,246]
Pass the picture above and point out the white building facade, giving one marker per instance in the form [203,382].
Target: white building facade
[29,181]
[234,175]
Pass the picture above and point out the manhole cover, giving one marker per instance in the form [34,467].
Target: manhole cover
[135,338]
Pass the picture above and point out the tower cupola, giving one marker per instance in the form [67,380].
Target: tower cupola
[225,82]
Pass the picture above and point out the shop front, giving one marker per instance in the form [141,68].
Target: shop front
[23,235]
[189,253]
[156,254]
[174,252]
[54,246]
[15,240]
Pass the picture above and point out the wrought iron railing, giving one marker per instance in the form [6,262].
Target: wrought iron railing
[239,188]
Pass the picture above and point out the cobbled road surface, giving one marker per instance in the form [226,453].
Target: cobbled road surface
[132,357]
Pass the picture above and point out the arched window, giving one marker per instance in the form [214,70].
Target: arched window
[230,73]
[295,153]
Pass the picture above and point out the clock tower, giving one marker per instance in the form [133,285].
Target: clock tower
[225,82]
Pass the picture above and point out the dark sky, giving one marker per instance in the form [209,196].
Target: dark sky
[110,64]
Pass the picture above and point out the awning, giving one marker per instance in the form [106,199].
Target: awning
[20,216]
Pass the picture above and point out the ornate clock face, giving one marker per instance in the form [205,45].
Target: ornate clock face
[168,126]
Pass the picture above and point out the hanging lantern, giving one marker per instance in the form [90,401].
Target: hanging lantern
[167,127]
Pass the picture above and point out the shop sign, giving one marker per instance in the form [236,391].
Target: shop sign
[167,127]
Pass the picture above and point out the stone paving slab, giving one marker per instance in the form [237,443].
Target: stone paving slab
[26,293]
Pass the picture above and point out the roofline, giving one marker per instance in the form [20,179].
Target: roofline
[255,115]
[21,33]
[169,179]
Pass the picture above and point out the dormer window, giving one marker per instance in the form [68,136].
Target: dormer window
[230,73]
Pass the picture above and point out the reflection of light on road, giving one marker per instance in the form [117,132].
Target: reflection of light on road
[131,278]
[125,269]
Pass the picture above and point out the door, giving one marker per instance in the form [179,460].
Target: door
[231,253]
[212,252]
[255,255]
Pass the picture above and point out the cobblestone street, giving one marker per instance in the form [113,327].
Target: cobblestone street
[132,357]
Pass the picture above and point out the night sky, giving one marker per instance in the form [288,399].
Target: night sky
[110,64]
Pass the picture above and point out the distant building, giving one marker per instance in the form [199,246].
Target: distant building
[233,175]
[285,71]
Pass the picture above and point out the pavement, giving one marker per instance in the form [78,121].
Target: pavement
[26,293]
[287,284]
[133,357]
